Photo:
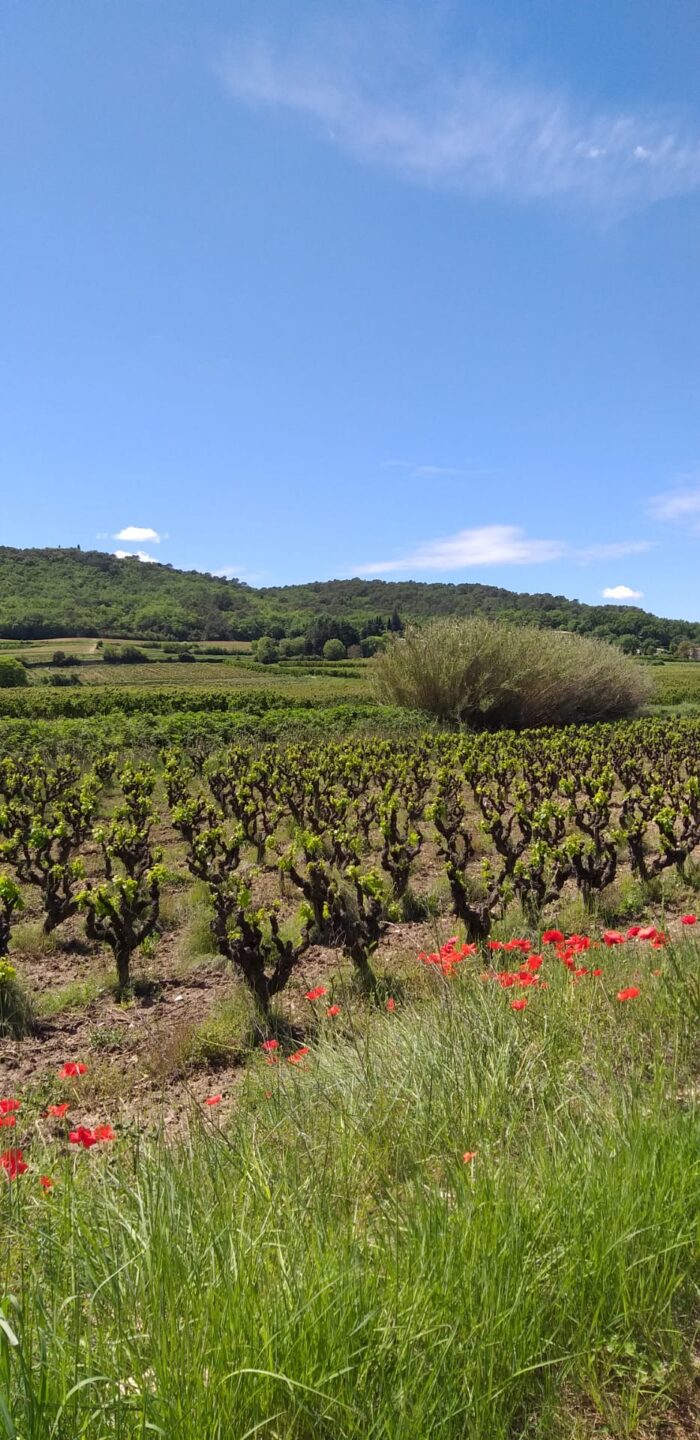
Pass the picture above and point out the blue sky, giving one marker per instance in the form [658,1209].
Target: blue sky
[303,290]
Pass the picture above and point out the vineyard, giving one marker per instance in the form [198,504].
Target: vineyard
[341,992]
[338,844]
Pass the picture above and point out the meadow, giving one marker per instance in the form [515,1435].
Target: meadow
[389,1125]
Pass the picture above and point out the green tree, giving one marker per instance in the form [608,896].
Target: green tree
[334,650]
[12,673]
[266,650]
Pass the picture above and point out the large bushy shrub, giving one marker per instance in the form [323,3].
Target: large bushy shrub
[485,674]
[12,672]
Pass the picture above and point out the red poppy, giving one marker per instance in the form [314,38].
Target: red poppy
[213,1100]
[534,962]
[580,971]
[495,944]
[597,972]
[7,1106]
[468,1156]
[647,932]
[298,1055]
[13,1163]
[317,993]
[689,919]
[7,1122]
[633,932]
[82,1136]
[58,1110]
[518,1004]
[104,1132]
[552,937]
[46,1182]
[629,993]
[391,1004]
[332,1011]
[71,1069]
[613,937]
[270,1045]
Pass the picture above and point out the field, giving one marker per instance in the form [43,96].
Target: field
[382,1076]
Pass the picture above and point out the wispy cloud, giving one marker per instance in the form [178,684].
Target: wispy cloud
[621,592]
[680,504]
[495,545]
[239,572]
[423,472]
[468,126]
[136,555]
[135,533]
[486,545]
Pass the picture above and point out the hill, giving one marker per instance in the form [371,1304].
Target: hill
[45,593]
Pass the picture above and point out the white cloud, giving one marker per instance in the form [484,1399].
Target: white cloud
[487,545]
[621,592]
[497,545]
[681,504]
[136,555]
[469,128]
[134,533]
[422,472]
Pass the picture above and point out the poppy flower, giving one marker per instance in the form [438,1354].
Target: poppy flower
[71,1069]
[391,1004]
[104,1132]
[597,972]
[82,1136]
[633,932]
[58,1110]
[613,937]
[689,919]
[534,962]
[270,1045]
[518,1004]
[13,1163]
[7,1106]
[316,993]
[7,1122]
[332,1011]
[468,1156]
[213,1100]
[298,1055]
[647,932]
[629,993]
[46,1182]
[495,944]
[552,937]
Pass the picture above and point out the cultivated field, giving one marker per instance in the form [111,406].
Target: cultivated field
[359,1057]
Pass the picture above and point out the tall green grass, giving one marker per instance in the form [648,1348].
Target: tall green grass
[323,1265]
[485,673]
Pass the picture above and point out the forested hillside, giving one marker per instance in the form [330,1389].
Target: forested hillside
[46,593]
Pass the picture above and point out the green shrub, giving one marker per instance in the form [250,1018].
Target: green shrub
[124,655]
[12,673]
[266,650]
[486,674]
[334,650]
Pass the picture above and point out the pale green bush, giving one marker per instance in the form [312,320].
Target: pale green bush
[486,674]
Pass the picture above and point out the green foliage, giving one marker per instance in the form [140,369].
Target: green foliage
[75,592]
[331,1261]
[12,673]
[266,650]
[334,650]
[122,910]
[123,655]
[486,675]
